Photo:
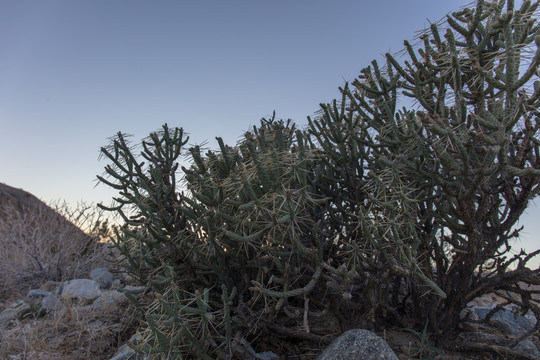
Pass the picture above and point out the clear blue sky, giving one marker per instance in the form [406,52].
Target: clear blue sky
[74,72]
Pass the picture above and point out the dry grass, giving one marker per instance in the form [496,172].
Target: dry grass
[74,333]
[41,243]
[38,244]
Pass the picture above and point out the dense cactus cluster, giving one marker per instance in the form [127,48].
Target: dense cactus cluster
[370,216]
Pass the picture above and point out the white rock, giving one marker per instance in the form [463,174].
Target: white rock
[38,294]
[84,290]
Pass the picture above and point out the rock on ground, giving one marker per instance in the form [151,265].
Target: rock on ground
[358,344]
[84,290]
[103,277]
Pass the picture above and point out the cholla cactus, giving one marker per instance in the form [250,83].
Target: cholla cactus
[341,223]
[467,152]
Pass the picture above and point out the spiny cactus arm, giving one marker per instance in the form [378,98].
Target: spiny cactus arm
[243,238]
[262,172]
[113,185]
[227,300]
[198,160]
[397,66]
[126,168]
[527,172]
[376,85]
[476,22]
[257,287]
[124,165]
[419,275]
[472,26]
[189,324]
[250,189]
[532,69]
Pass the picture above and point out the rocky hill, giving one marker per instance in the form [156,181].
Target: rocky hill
[38,243]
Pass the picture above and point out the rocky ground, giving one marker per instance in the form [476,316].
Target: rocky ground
[84,314]
[92,318]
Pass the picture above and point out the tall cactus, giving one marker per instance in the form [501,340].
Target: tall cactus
[468,148]
[371,213]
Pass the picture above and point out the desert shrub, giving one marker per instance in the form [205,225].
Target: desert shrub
[42,242]
[371,216]
[467,152]
[250,221]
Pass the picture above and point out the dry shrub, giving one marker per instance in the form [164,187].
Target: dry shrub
[55,242]
[73,333]
[41,243]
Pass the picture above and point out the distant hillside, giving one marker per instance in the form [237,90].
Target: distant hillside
[37,243]
[28,205]
[17,198]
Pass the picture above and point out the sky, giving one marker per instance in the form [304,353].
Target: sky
[73,73]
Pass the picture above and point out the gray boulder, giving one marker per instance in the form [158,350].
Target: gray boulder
[83,290]
[358,344]
[528,347]
[103,277]
[266,355]
[52,303]
[110,298]
[507,319]
[45,300]
[38,294]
